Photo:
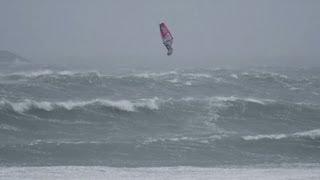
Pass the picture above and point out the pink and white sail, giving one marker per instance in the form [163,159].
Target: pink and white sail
[167,38]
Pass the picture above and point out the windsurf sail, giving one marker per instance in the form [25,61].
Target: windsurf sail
[167,38]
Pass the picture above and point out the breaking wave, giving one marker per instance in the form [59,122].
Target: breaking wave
[124,105]
[199,117]
[154,103]
[48,72]
[312,134]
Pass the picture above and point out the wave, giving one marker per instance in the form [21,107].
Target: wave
[147,141]
[265,136]
[174,76]
[32,73]
[223,136]
[192,74]
[312,134]
[123,105]
[149,103]
[152,74]
[61,142]
[48,72]
[235,99]
[235,76]
[177,77]
[290,82]
[264,75]
[203,140]
[8,127]
[197,75]
[227,136]
[292,171]
[146,75]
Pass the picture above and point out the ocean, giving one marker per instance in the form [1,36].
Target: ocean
[247,121]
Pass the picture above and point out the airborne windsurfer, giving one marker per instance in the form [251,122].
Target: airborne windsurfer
[166,38]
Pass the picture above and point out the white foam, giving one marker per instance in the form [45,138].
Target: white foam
[124,105]
[203,140]
[313,134]
[294,88]
[159,173]
[34,73]
[175,80]
[152,75]
[61,142]
[161,74]
[152,103]
[224,98]
[8,127]
[233,98]
[79,73]
[67,73]
[197,75]
[234,76]
[27,104]
[258,101]
[273,74]
[69,122]
[38,73]
[270,136]
[85,73]
[121,104]
[264,75]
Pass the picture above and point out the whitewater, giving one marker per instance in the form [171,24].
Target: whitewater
[258,123]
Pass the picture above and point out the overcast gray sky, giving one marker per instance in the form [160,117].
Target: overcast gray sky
[205,31]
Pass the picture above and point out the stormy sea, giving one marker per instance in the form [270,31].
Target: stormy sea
[259,123]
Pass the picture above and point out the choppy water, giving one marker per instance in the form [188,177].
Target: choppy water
[197,117]
[159,173]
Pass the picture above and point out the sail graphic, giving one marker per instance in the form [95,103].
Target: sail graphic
[167,38]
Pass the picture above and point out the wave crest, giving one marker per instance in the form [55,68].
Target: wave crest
[124,105]
[312,134]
